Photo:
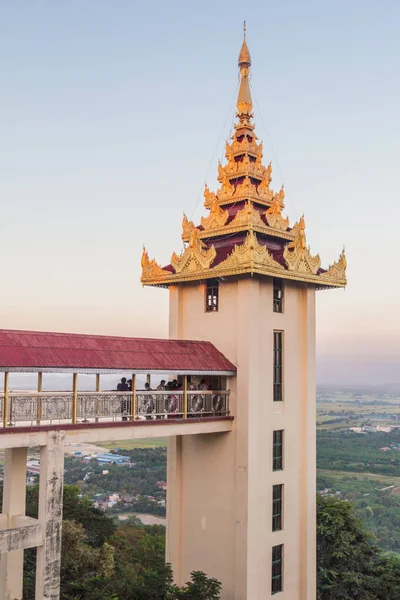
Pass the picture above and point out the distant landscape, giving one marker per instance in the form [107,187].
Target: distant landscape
[358,460]
[358,454]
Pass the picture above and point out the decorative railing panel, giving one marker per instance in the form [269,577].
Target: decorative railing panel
[35,408]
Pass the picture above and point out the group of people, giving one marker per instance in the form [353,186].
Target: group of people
[125,385]
[169,403]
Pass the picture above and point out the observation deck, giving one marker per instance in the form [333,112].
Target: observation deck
[194,400]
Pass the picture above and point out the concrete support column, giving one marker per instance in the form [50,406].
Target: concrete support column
[14,501]
[173,550]
[50,516]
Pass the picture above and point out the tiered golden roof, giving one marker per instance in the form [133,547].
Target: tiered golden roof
[245,231]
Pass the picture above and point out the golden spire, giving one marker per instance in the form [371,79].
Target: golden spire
[244,102]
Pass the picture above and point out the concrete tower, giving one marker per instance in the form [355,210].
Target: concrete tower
[241,505]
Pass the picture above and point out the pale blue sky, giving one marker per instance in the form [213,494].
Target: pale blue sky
[111,119]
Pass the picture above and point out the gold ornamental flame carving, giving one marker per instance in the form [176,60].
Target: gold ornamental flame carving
[298,257]
[209,197]
[225,192]
[300,225]
[280,196]
[195,257]
[217,217]
[151,270]
[187,227]
[337,271]
[251,253]
[248,216]
[274,216]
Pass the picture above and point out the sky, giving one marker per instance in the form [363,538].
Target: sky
[114,114]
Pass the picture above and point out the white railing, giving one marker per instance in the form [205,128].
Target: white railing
[42,408]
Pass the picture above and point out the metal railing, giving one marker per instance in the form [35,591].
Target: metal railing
[44,408]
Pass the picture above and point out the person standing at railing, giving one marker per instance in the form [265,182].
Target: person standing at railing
[123,387]
[203,385]
[199,401]
[149,402]
[160,400]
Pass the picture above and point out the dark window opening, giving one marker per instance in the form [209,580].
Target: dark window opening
[278,366]
[277,498]
[278,295]
[212,296]
[277,461]
[277,569]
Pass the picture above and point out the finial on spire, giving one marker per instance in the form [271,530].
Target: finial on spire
[244,55]
[244,102]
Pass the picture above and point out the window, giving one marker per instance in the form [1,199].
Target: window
[212,296]
[277,569]
[277,460]
[278,295]
[278,366]
[277,498]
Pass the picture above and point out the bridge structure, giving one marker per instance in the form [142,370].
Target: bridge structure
[50,419]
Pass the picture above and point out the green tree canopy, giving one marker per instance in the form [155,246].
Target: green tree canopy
[350,565]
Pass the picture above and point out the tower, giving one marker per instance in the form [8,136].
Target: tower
[241,505]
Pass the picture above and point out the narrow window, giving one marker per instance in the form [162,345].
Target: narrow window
[278,295]
[277,497]
[278,366]
[277,569]
[277,461]
[212,296]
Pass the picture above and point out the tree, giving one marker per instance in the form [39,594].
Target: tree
[350,565]
[200,587]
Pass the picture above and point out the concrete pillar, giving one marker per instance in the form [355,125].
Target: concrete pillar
[14,501]
[50,516]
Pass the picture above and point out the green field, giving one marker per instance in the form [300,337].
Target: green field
[132,444]
[386,479]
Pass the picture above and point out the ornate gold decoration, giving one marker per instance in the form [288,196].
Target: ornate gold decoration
[196,257]
[298,226]
[151,269]
[217,217]
[250,253]
[244,55]
[221,172]
[337,271]
[274,216]
[244,179]
[225,192]
[280,196]
[260,155]
[187,227]
[248,216]
[298,257]
[246,189]
[209,197]
[237,147]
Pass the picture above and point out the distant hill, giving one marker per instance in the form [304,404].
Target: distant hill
[381,388]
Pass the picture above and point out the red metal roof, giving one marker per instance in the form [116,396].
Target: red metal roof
[42,351]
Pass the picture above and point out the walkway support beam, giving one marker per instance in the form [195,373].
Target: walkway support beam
[39,400]
[48,561]
[14,500]
[133,416]
[74,397]
[185,397]
[5,399]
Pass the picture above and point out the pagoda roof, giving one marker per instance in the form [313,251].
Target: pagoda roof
[244,231]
